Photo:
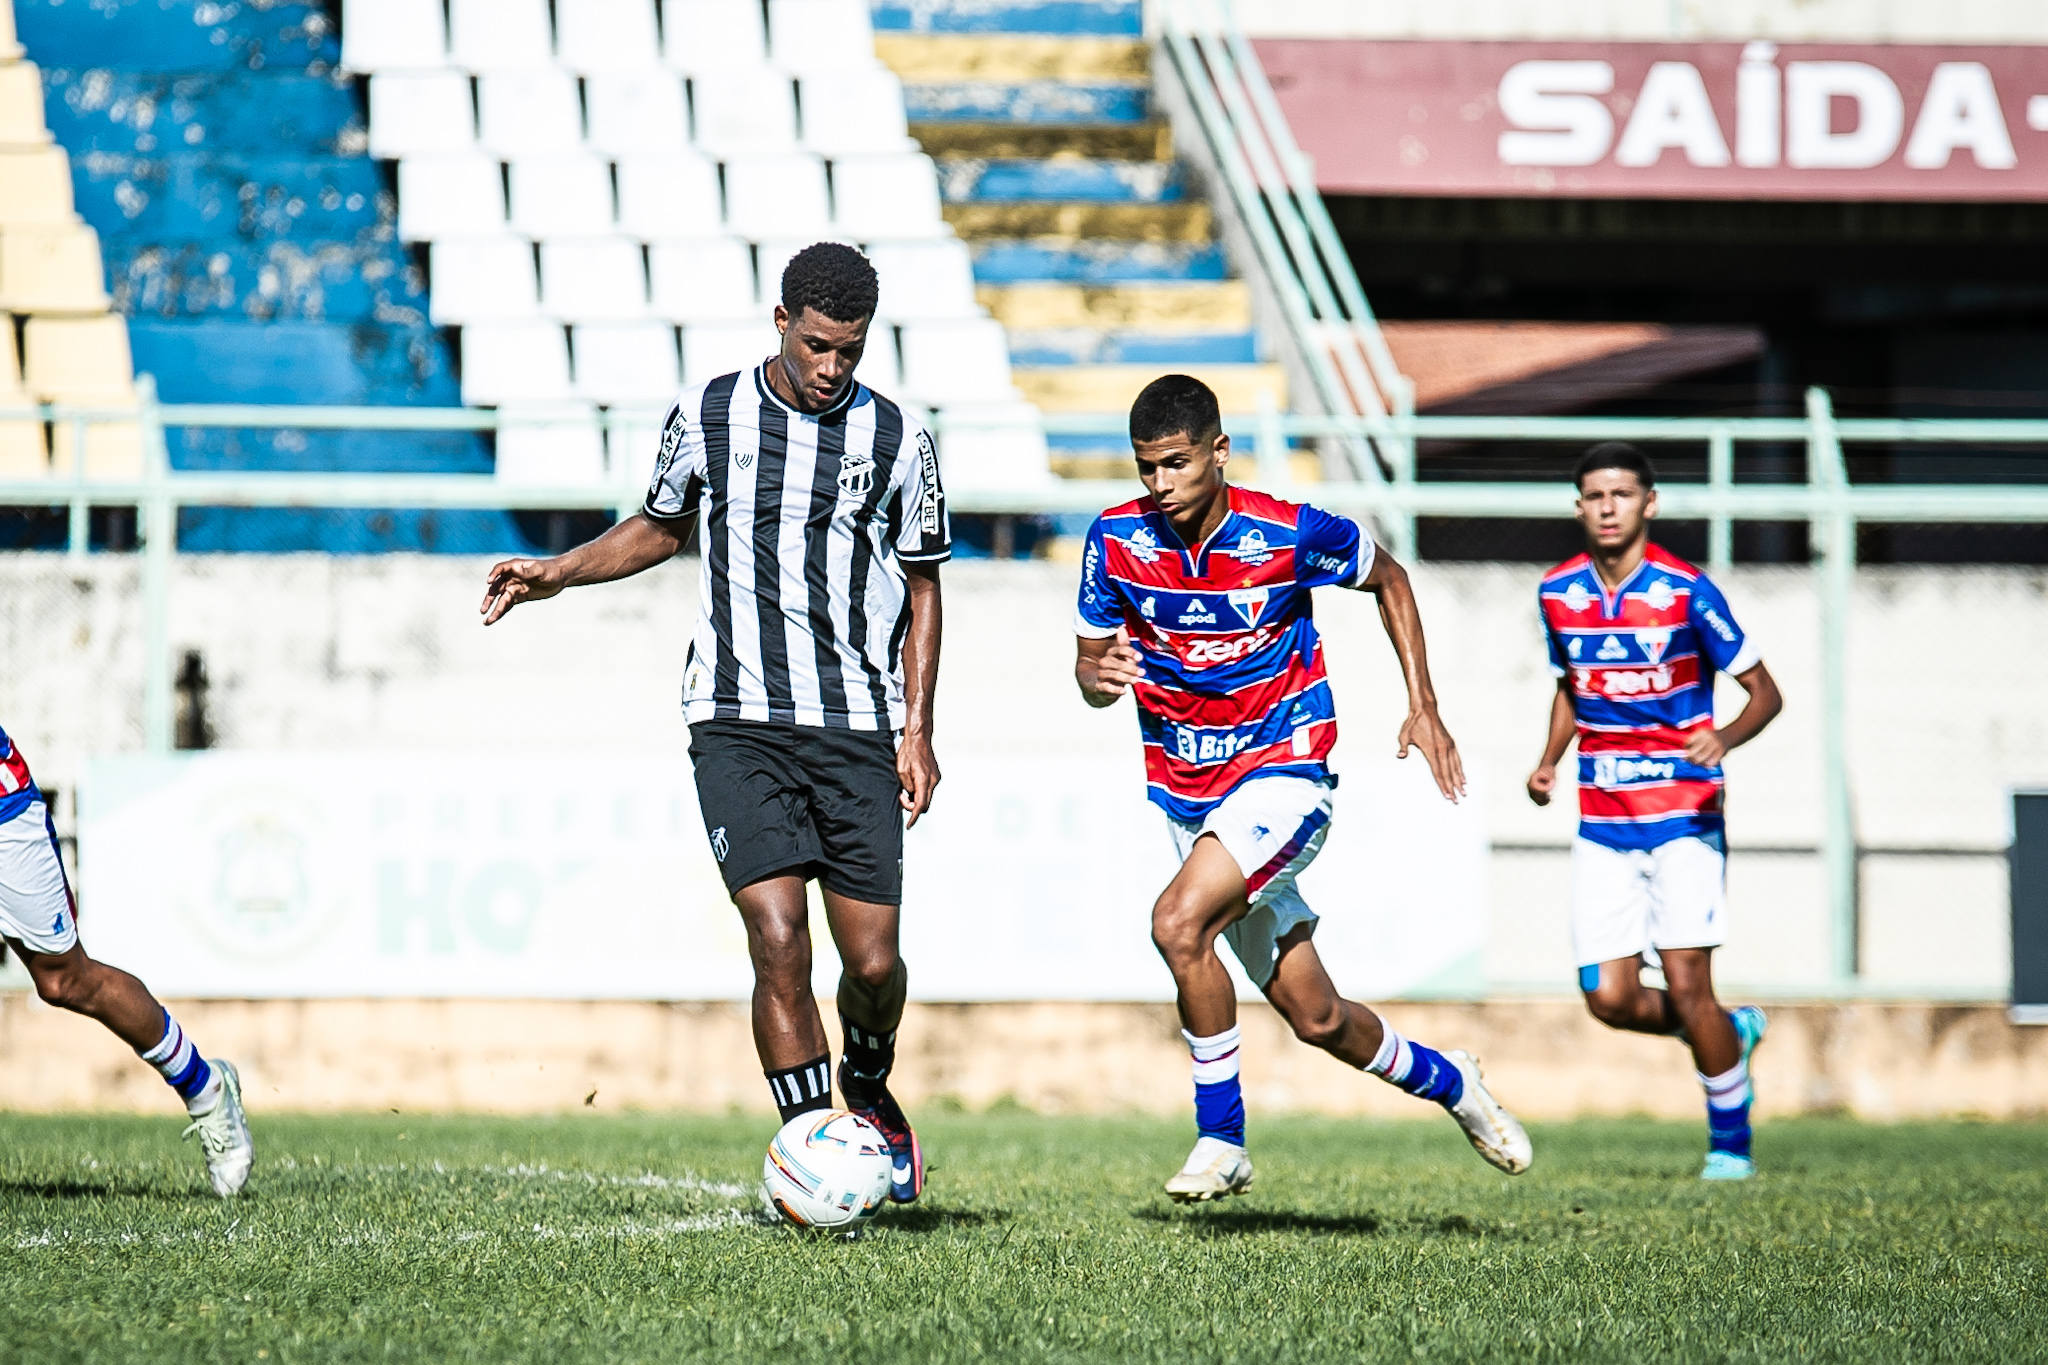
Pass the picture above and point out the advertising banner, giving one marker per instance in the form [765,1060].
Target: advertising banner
[1667,120]
[261,875]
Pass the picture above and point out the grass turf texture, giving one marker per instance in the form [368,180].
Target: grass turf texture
[636,1238]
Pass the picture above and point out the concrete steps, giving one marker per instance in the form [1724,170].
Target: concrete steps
[1090,245]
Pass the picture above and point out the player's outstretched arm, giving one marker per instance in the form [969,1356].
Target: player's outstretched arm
[626,549]
[917,767]
[1563,725]
[1708,747]
[1423,729]
[1106,668]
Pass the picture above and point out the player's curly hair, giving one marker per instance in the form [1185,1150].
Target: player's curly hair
[832,279]
[1175,405]
[1616,455]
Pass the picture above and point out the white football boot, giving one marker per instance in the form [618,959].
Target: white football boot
[1492,1130]
[1214,1170]
[224,1135]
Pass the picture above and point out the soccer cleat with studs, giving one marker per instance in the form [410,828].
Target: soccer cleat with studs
[224,1135]
[1727,1166]
[1215,1169]
[1750,1023]
[1493,1132]
[906,1155]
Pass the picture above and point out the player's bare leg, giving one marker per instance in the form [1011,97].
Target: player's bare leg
[1301,990]
[1721,1042]
[787,1030]
[72,981]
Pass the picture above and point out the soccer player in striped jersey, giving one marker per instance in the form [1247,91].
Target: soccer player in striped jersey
[809,686]
[1195,600]
[1636,636]
[40,923]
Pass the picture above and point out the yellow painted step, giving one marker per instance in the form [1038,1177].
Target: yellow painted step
[1112,388]
[1182,222]
[78,360]
[51,268]
[934,57]
[1214,305]
[35,186]
[1043,141]
[21,106]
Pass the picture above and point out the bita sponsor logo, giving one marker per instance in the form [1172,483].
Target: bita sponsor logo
[1197,613]
[1200,747]
[1611,770]
[1223,651]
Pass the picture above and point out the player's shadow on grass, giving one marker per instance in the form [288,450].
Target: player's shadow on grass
[67,1187]
[923,1218]
[1240,1219]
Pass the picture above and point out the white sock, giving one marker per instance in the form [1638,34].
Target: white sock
[1216,1056]
[1729,1090]
[1395,1058]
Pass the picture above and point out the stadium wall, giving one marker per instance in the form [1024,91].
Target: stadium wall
[1878,21]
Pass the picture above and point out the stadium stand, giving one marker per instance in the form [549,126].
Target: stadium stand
[1088,243]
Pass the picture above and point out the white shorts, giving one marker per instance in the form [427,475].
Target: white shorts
[1629,901]
[35,900]
[1273,827]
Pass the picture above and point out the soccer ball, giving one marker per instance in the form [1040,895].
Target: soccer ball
[827,1169]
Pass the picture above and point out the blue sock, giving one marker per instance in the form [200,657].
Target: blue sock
[1421,1071]
[179,1062]
[1728,1096]
[1219,1100]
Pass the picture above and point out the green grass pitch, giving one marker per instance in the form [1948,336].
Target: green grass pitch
[594,1238]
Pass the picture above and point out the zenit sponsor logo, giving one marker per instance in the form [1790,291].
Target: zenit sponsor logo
[1226,649]
[1626,682]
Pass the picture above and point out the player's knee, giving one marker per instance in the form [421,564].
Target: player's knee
[872,967]
[1318,1026]
[65,986]
[1611,1007]
[1177,931]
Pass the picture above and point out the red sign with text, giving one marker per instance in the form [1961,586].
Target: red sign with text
[1668,120]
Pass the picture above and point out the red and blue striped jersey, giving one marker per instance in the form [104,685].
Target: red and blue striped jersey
[17,788]
[1234,684]
[1641,663]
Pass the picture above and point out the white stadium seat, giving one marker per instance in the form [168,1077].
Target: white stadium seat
[626,362]
[528,113]
[879,369]
[602,279]
[500,35]
[819,35]
[776,196]
[712,35]
[637,111]
[420,111]
[887,196]
[925,280]
[450,194]
[481,279]
[744,110]
[515,362]
[704,281]
[385,35]
[994,445]
[550,443]
[714,348]
[669,196]
[631,444]
[956,362]
[606,35]
[772,258]
[562,196]
[854,110]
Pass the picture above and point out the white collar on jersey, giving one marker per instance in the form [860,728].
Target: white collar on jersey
[768,394]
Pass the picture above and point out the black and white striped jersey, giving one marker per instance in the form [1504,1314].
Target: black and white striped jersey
[807,521]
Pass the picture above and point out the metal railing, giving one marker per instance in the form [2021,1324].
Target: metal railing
[1829,502]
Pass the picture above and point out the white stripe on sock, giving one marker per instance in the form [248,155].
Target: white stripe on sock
[1216,1057]
[1729,1090]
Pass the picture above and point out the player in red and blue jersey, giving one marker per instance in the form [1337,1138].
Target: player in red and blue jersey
[40,923]
[1195,599]
[1637,636]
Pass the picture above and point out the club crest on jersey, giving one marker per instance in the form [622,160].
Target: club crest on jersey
[856,475]
[1143,545]
[1251,548]
[1653,643]
[1249,604]
[1576,598]
[1661,594]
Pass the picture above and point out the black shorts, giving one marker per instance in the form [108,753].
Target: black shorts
[780,798]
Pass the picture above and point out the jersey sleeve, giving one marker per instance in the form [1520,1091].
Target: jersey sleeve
[1098,613]
[1725,643]
[678,469]
[1552,646]
[922,528]
[1331,550]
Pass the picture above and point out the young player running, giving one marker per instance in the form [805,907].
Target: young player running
[809,686]
[1195,599]
[1636,636]
[40,924]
